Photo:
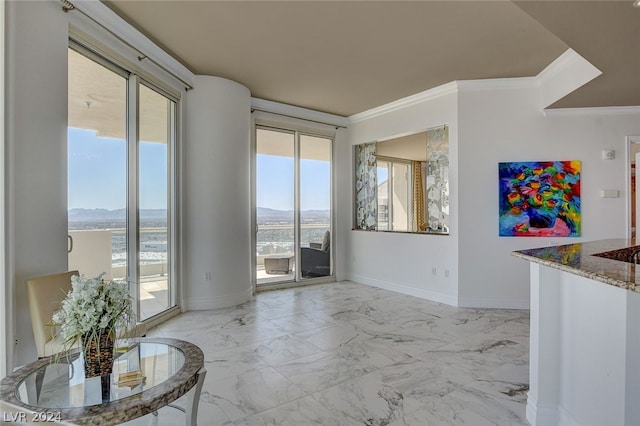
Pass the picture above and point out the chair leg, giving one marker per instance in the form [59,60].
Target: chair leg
[39,381]
[193,399]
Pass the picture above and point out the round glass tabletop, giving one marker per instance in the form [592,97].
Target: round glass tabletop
[150,374]
[62,384]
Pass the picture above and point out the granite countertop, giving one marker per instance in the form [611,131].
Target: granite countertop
[597,260]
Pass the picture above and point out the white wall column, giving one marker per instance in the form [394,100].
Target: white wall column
[5,306]
[216,192]
[36,162]
[544,362]
[584,362]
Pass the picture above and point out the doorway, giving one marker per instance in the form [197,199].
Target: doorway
[293,206]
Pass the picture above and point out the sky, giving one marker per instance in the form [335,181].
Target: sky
[97,176]
[274,183]
[97,172]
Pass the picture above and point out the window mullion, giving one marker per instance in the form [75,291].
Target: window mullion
[133,228]
[296,204]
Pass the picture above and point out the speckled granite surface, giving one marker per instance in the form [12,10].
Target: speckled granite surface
[580,259]
[121,410]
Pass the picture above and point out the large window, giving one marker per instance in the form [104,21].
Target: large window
[293,205]
[121,139]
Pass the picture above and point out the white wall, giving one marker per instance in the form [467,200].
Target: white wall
[404,262]
[342,202]
[37,34]
[506,125]
[6,334]
[490,122]
[217,205]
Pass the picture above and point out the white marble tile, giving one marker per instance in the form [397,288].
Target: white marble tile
[347,354]
[366,400]
[418,380]
[333,336]
[475,405]
[299,323]
[478,356]
[285,348]
[326,369]
[231,362]
[303,411]
[250,393]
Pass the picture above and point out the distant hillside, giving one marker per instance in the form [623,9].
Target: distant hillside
[266,215]
[99,215]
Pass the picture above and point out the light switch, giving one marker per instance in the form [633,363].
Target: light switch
[608,154]
[609,193]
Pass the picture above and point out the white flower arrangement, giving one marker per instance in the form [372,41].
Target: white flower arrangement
[93,308]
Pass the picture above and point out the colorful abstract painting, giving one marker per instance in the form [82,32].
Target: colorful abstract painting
[539,199]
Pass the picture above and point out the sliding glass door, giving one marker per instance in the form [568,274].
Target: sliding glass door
[293,206]
[275,201]
[121,134]
[315,206]
[156,113]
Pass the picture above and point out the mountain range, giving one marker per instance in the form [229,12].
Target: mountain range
[99,215]
[263,215]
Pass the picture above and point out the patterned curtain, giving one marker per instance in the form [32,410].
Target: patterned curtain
[418,201]
[366,187]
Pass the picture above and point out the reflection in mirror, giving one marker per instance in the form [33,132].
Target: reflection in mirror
[402,184]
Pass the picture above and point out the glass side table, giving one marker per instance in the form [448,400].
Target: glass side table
[57,389]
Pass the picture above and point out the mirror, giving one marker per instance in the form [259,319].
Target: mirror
[402,183]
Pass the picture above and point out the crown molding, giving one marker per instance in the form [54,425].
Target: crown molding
[557,66]
[427,95]
[569,67]
[447,89]
[567,73]
[293,111]
[497,84]
[572,112]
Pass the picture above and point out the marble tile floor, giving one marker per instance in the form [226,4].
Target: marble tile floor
[348,354]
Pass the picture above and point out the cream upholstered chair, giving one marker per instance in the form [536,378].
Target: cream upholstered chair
[45,294]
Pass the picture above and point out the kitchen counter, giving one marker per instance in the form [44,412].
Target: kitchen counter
[584,360]
[579,259]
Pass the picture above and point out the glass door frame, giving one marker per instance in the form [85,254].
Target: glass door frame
[297,131]
[132,140]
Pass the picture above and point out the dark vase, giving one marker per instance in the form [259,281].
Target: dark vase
[98,355]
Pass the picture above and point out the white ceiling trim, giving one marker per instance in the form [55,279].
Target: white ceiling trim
[497,84]
[568,112]
[97,11]
[298,112]
[427,95]
[447,89]
[564,75]
[567,73]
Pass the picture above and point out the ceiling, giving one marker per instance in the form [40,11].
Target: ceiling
[345,57]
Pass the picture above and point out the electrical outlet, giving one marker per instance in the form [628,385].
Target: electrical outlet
[434,271]
[207,276]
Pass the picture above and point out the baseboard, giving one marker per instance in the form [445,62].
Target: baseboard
[464,302]
[404,289]
[202,304]
[548,414]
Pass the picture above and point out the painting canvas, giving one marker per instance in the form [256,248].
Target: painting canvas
[539,199]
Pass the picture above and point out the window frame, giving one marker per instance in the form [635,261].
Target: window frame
[299,127]
[134,81]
